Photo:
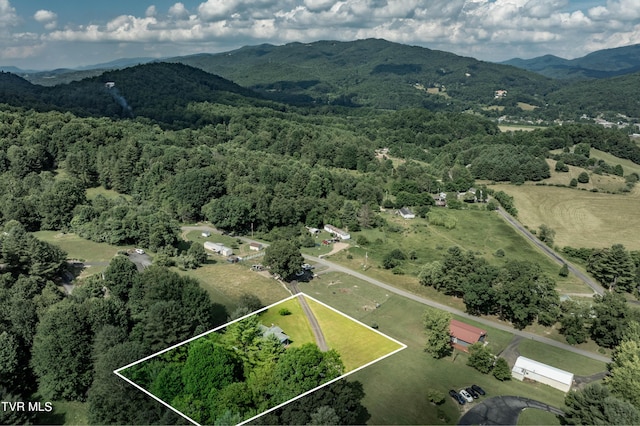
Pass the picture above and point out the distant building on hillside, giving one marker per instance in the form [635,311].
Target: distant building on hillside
[406,213]
[255,246]
[343,235]
[110,85]
[218,248]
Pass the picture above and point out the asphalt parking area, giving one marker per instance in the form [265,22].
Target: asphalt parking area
[502,410]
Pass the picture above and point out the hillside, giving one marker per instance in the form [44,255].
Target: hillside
[159,91]
[596,65]
[371,72]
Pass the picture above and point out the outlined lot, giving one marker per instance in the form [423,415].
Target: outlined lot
[364,347]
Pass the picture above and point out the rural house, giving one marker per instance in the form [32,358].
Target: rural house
[274,330]
[406,213]
[464,335]
[218,248]
[529,369]
[255,246]
[343,235]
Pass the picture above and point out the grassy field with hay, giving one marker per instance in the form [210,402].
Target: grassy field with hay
[294,324]
[580,218]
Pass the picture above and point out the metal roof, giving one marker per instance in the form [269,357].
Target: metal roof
[526,364]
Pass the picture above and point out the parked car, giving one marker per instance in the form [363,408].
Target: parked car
[473,393]
[139,251]
[455,395]
[478,389]
[466,395]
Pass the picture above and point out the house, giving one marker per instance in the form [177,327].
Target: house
[343,235]
[218,248]
[206,234]
[255,246]
[313,231]
[440,202]
[500,94]
[526,368]
[464,335]
[274,330]
[406,213]
[110,85]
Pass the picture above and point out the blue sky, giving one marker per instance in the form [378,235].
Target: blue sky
[39,34]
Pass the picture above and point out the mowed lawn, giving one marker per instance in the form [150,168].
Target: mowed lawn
[357,344]
[580,218]
[80,248]
[295,325]
[396,387]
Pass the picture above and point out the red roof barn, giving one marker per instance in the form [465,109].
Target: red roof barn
[464,335]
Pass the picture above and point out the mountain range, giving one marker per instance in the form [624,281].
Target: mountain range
[365,73]
[600,64]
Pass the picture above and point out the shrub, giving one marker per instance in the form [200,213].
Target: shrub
[564,271]
[501,370]
[573,183]
[499,253]
[361,240]
[435,396]
[284,312]
[583,177]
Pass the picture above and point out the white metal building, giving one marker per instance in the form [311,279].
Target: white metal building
[526,368]
[218,248]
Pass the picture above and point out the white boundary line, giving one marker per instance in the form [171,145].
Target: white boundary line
[117,371]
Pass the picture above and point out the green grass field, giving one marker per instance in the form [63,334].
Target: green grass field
[604,183]
[535,417]
[80,248]
[357,345]
[580,218]
[556,357]
[106,193]
[479,231]
[396,387]
[226,282]
[65,412]
[294,325]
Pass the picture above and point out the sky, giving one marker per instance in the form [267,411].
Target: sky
[49,34]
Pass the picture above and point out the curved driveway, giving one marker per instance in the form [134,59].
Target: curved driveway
[503,410]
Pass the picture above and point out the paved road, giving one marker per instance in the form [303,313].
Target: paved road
[339,268]
[331,266]
[503,410]
[597,288]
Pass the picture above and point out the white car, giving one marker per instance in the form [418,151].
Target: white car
[466,395]
[139,251]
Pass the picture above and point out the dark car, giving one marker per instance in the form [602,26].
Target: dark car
[473,393]
[455,395]
[478,389]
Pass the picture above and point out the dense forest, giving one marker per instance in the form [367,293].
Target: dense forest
[187,146]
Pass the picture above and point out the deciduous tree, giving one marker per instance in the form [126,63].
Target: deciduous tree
[436,324]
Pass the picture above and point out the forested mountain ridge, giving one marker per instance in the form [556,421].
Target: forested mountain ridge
[596,65]
[159,91]
[371,72]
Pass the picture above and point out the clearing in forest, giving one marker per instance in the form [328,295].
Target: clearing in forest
[158,375]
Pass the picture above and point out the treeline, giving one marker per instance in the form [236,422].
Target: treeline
[233,376]
[66,347]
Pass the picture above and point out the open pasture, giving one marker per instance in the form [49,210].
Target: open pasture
[606,183]
[396,387]
[356,343]
[580,218]
[481,232]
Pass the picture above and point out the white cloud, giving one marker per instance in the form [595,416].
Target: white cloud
[178,11]
[46,17]
[151,11]
[8,16]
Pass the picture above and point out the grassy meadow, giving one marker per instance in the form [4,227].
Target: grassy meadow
[580,218]
[536,417]
[396,387]
[295,325]
[479,231]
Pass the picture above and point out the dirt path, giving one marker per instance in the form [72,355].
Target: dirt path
[315,327]
[336,248]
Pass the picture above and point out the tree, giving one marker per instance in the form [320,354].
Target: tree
[573,322]
[611,319]
[62,352]
[573,183]
[324,415]
[501,370]
[613,268]
[561,167]
[624,372]
[564,270]
[583,177]
[436,324]
[546,234]
[594,405]
[480,358]
[284,258]
[121,274]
